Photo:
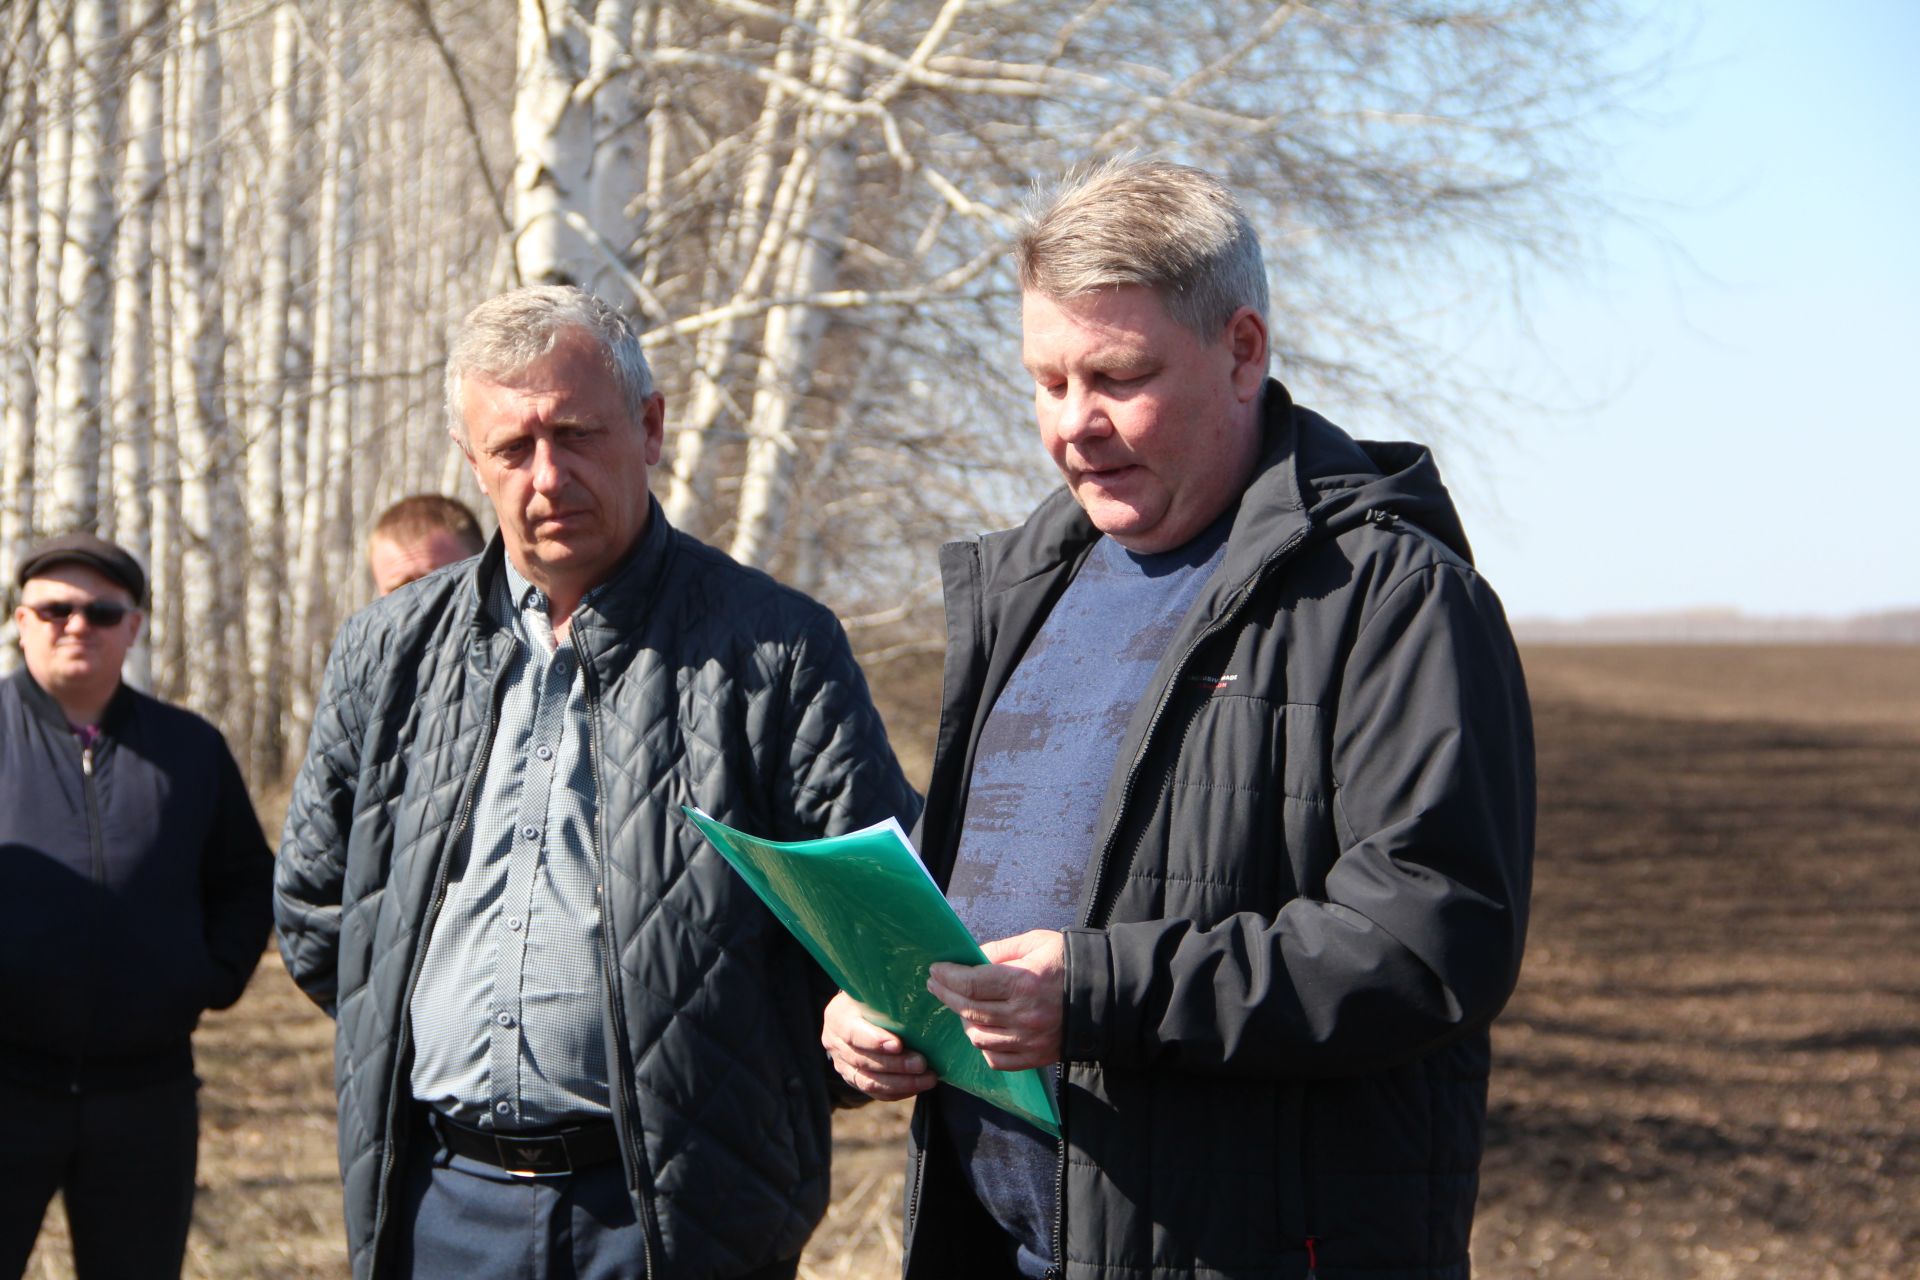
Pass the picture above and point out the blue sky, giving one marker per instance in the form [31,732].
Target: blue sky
[1731,417]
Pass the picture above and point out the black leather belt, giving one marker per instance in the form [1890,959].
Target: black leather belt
[532,1154]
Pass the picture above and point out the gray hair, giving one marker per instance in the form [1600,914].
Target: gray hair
[504,335]
[1125,221]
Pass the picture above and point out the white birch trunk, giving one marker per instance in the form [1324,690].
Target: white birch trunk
[267,570]
[143,170]
[809,262]
[552,144]
[656,24]
[327,457]
[86,301]
[619,143]
[55,155]
[22,197]
[372,397]
[167,636]
[20,332]
[209,533]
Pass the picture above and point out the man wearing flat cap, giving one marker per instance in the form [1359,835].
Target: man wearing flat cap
[136,884]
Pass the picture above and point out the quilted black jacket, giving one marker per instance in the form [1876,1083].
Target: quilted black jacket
[710,685]
[1308,894]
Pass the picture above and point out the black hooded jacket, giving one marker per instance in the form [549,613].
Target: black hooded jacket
[1308,896]
[137,886]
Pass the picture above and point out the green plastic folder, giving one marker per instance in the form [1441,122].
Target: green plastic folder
[867,910]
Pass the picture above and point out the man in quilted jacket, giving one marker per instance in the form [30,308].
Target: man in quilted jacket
[1236,772]
[571,1042]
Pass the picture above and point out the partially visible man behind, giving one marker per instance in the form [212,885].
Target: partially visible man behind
[571,1040]
[419,534]
[136,883]
[1236,763]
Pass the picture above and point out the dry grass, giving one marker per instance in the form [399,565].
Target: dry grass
[1711,1068]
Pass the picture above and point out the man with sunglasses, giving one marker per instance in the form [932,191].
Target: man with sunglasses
[137,884]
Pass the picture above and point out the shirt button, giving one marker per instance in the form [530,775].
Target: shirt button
[530,832]
[544,751]
[513,923]
[503,1018]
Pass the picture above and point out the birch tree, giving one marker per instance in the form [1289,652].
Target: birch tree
[553,144]
[329,408]
[54,101]
[86,254]
[142,173]
[266,504]
[20,158]
[211,536]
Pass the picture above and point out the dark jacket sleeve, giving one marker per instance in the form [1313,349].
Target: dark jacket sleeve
[311,872]
[236,878]
[1418,935]
[839,773]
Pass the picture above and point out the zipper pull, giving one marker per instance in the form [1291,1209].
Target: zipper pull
[1378,515]
[86,760]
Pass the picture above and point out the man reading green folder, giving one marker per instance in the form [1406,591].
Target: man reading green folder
[1235,771]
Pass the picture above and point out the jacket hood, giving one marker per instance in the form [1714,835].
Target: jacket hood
[1314,476]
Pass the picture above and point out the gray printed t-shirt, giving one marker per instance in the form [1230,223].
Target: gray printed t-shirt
[1046,753]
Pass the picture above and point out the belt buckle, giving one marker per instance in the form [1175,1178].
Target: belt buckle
[533,1157]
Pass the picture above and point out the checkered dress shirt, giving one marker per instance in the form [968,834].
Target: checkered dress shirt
[507,1025]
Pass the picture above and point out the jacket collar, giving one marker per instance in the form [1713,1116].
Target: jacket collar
[46,708]
[620,602]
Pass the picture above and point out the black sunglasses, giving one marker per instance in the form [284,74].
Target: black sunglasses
[98,613]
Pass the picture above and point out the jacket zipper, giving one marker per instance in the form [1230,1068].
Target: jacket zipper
[97,852]
[404,1031]
[1097,911]
[1308,1210]
[94,840]
[1057,1266]
[914,1179]
[620,1082]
